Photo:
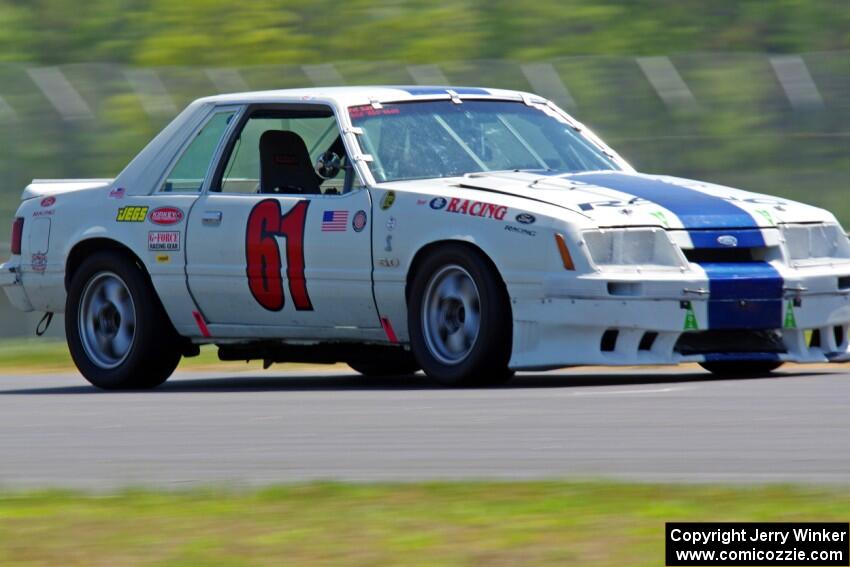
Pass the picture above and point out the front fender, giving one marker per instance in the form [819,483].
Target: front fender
[524,251]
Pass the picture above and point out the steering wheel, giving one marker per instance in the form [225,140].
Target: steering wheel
[328,165]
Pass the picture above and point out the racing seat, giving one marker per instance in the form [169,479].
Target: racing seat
[285,165]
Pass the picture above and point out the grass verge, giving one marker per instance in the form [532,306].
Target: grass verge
[46,355]
[445,524]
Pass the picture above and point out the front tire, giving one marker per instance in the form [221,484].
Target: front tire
[118,333]
[395,364]
[459,318]
[741,369]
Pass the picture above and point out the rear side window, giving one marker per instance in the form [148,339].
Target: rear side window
[187,175]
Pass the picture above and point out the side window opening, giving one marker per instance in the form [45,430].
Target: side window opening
[187,175]
[288,151]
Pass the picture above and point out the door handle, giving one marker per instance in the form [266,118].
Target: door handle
[211,218]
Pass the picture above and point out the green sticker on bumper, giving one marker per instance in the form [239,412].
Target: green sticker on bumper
[790,320]
[691,320]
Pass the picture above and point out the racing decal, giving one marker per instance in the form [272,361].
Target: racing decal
[117,193]
[356,112]
[262,254]
[334,221]
[391,223]
[790,321]
[421,201]
[389,246]
[525,218]
[476,209]
[132,214]
[389,262]
[388,200]
[48,202]
[766,215]
[661,218]
[613,203]
[44,213]
[166,216]
[807,336]
[520,230]
[438,203]
[163,259]
[39,262]
[164,241]
[691,319]
[359,221]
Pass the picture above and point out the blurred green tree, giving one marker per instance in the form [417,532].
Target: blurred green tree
[227,33]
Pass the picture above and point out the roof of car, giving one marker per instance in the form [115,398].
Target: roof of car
[349,96]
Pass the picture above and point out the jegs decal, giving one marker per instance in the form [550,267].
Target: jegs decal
[262,254]
[132,214]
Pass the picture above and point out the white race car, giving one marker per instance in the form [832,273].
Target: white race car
[467,232]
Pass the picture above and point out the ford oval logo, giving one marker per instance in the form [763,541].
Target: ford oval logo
[727,240]
[525,218]
[438,203]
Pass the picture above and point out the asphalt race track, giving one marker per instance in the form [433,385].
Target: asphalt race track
[261,428]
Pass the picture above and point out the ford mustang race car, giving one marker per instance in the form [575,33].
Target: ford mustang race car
[466,232]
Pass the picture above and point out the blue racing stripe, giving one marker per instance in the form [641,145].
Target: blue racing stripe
[442,90]
[744,296]
[694,208]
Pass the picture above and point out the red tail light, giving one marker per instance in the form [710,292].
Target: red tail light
[17,233]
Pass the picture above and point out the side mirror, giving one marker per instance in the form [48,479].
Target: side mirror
[328,165]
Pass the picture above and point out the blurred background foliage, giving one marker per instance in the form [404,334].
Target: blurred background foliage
[725,114]
[223,32]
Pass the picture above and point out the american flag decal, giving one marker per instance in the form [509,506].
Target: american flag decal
[335,221]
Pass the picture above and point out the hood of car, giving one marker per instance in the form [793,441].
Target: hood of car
[617,198]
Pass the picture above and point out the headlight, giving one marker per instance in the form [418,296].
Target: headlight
[815,243]
[633,248]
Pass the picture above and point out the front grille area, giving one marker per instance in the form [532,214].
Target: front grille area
[708,342]
[725,255]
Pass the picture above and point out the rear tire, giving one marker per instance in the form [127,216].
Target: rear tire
[459,318]
[118,333]
[741,369]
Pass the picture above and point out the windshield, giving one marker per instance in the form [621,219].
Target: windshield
[418,140]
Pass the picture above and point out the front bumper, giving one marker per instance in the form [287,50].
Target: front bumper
[10,281]
[810,324]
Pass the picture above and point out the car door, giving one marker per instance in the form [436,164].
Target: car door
[268,257]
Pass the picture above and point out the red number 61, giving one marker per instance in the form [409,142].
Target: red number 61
[262,253]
